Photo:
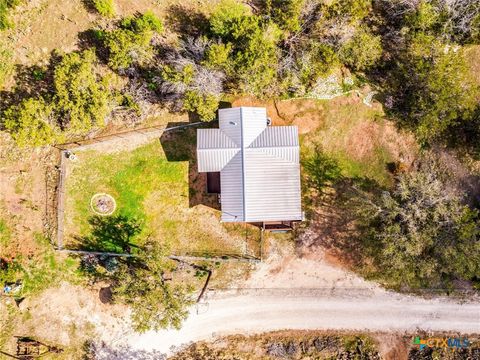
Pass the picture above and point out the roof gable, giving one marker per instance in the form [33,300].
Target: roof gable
[259,165]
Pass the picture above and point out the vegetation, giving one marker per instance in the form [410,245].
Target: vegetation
[131,42]
[105,7]
[5,7]
[422,235]
[290,344]
[81,94]
[439,95]
[157,303]
[39,272]
[80,101]
[31,123]
[138,179]
[6,64]
[363,51]
[412,53]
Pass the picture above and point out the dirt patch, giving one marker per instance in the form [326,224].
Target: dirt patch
[307,114]
[472,56]
[365,136]
[25,199]
[391,346]
[69,315]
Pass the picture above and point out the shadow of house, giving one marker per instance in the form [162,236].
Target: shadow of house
[180,145]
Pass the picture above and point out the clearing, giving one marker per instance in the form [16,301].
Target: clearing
[157,188]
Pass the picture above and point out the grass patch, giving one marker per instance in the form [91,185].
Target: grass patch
[5,233]
[37,273]
[357,138]
[6,64]
[152,193]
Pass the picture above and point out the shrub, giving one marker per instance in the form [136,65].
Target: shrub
[126,47]
[147,21]
[285,13]
[6,64]
[424,18]
[354,9]
[5,7]
[225,17]
[81,94]
[131,43]
[218,56]
[105,7]
[318,60]
[31,123]
[362,51]
[253,55]
[205,105]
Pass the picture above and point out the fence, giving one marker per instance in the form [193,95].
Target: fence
[148,134]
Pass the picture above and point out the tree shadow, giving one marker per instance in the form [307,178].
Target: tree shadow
[90,6]
[110,234]
[334,220]
[30,81]
[186,21]
[181,145]
[93,38]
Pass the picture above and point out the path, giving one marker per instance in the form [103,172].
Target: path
[348,303]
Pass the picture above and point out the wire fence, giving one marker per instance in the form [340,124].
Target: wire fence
[148,134]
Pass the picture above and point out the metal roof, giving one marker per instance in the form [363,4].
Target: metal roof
[259,166]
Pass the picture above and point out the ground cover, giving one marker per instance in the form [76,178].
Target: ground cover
[156,191]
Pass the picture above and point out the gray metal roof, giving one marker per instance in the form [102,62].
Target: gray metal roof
[259,166]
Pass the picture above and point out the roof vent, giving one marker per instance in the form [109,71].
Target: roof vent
[269,121]
[233,123]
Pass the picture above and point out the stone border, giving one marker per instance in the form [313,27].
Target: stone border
[92,206]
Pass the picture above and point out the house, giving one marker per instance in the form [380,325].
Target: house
[257,165]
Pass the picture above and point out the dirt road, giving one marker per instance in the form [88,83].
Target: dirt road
[353,304]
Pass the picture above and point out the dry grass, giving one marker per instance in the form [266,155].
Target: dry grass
[153,191]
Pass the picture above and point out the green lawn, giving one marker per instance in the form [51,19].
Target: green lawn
[153,197]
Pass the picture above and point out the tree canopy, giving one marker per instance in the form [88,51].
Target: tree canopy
[422,234]
[156,302]
[81,93]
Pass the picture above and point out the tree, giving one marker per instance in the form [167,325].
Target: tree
[286,14]
[424,18]
[422,235]
[362,51]
[31,123]
[126,47]
[252,42]
[217,56]
[205,105]
[226,16]
[190,82]
[81,95]
[156,303]
[355,10]
[131,42]
[147,21]
[432,88]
